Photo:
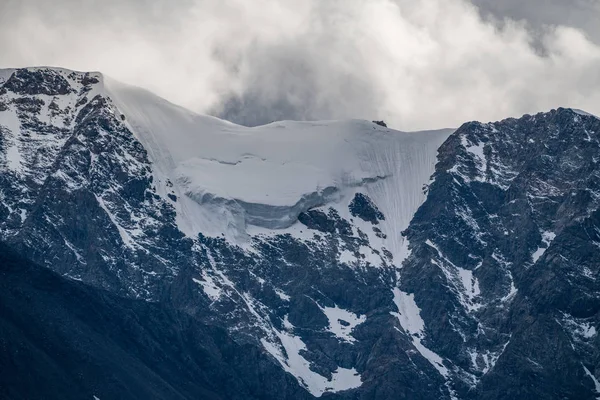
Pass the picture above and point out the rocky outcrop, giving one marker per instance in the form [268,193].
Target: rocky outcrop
[504,279]
[80,193]
[38,81]
[364,208]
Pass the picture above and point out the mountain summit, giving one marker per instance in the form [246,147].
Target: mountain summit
[360,261]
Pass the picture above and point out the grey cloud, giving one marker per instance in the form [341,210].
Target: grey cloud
[580,14]
[416,64]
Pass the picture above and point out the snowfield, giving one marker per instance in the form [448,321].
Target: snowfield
[229,178]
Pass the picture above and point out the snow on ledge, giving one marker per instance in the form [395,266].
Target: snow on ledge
[593,378]
[342,322]
[294,363]
[210,288]
[583,113]
[547,238]
[409,316]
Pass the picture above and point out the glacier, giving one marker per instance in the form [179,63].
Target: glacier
[230,179]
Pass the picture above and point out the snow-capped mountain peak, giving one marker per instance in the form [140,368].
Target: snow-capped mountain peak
[359,261]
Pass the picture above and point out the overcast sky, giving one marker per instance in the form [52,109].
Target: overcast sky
[415,63]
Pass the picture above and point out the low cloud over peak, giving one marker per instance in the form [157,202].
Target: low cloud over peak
[415,64]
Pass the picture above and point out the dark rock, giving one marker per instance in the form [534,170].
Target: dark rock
[318,220]
[496,189]
[37,81]
[29,105]
[89,80]
[364,208]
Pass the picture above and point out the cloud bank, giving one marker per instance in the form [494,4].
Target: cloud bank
[417,64]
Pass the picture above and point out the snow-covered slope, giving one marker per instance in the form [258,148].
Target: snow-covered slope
[228,180]
[290,236]
[231,178]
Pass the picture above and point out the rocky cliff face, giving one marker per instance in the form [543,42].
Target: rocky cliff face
[490,292]
[78,188]
[504,262]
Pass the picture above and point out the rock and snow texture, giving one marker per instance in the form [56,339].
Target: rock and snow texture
[510,227]
[409,316]
[169,196]
[547,238]
[77,187]
[339,248]
[292,361]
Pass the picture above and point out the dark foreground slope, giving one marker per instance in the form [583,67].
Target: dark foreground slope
[63,340]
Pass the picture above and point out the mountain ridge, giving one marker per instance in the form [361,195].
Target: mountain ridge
[81,342]
[430,268]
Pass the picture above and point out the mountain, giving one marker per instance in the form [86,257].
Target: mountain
[505,256]
[63,339]
[358,261]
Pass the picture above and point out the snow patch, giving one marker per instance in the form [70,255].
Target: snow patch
[491,358]
[286,347]
[409,313]
[293,362]
[547,238]
[583,113]
[210,288]
[282,295]
[342,322]
[287,324]
[486,360]
[476,150]
[512,291]
[10,128]
[409,316]
[579,329]
[75,251]
[370,256]
[588,331]
[593,378]
[14,158]
[23,214]
[469,282]
[125,237]
[347,257]
[464,283]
